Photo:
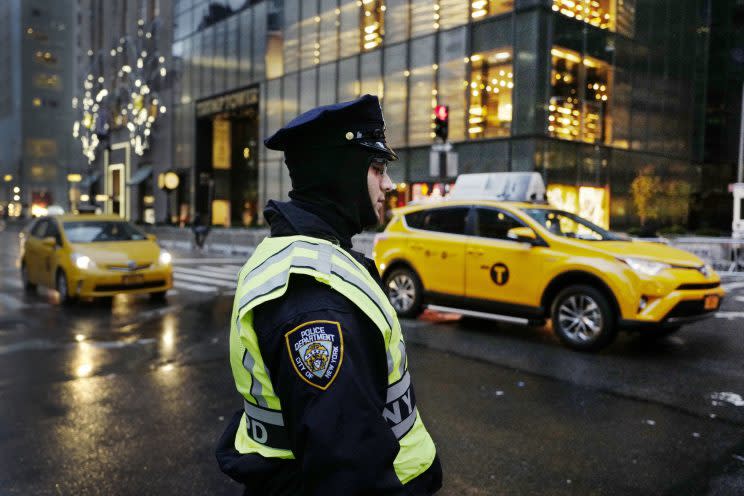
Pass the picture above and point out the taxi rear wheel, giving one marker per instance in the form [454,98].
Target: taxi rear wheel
[403,288]
[27,284]
[63,288]
[583,318]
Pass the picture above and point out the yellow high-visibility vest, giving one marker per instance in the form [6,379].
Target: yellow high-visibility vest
[264,277]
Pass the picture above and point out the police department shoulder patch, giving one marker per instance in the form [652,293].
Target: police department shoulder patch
[316,350]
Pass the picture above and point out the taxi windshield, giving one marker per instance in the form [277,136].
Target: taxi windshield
[101,231]
[570,226]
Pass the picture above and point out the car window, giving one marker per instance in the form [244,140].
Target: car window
[570,225]
[495,224]
[448,220]
[39,229]
[101,231]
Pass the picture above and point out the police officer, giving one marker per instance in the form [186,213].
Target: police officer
[316,350]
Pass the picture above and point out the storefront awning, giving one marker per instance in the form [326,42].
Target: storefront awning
[89,179]
[139,176]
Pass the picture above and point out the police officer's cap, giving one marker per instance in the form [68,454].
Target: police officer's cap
[358,122]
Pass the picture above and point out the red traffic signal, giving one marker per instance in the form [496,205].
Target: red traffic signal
[441,121]
[442,112]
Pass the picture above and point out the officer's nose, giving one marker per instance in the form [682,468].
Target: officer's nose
[387,183]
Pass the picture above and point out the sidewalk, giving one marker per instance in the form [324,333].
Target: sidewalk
[226,241]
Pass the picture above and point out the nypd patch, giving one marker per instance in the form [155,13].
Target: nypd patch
[316,350]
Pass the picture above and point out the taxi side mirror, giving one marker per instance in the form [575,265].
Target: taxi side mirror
[152,237]
[49,242]
[523,235]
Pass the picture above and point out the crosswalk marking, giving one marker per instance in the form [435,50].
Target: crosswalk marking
[203,280]
[733,285]
[206,274]
[186,261]
[11,302]
[225,269]
[199,288]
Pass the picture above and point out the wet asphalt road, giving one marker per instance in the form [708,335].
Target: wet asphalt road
[129,398]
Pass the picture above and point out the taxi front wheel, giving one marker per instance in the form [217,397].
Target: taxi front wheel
[63,288]
[583,318]
[403,288]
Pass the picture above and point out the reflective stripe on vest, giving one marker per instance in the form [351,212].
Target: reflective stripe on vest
[266,276]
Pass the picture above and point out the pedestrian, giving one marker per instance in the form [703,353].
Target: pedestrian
[316,350]
[200,230]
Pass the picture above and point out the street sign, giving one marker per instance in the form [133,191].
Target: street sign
[435,157]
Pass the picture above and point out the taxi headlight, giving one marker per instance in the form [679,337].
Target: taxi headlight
[165,258]
[644,266]
[83,262]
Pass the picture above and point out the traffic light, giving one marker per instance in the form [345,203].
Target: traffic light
[441,121]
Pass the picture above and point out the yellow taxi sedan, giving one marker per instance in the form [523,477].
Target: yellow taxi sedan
[84,256]
[529,262]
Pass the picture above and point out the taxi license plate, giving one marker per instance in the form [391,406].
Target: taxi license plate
[711,302]
[134,279]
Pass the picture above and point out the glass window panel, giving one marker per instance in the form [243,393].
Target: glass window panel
[371,77]
[182,5]
[290,93]
[218,59]
[421,91]
[452,79]
[452,13]
[179,66]
[328,37]
[187,71]
[487,8]
[422,17]
[327,88]
[580,95]
[308,85]
[598,13]
[349,30]
[625,17]
[309,45]
[260,34]
[232,57]
[246,59]
[196,66]
[291,35]
[396,21]
[273,113]
[530,76]
[208,49]
[490,93]
[396,94]
[348,79]
[372,24]
[492,34]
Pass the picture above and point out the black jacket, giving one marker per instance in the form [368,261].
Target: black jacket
[342,444]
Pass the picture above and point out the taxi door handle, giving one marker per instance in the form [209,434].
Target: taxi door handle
[477,253]
[417,247]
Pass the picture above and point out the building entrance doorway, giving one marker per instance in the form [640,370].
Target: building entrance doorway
[227,159]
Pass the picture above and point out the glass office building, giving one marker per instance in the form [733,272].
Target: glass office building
[597,95]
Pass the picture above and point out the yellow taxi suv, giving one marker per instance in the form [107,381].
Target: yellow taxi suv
[530,262]
[83,256]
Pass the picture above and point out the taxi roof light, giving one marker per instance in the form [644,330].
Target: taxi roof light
[501,186]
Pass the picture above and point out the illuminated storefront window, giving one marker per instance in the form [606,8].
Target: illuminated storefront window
[373,23]
[486,8]
[615,15]
[580,94]
[589,202]
[491,84]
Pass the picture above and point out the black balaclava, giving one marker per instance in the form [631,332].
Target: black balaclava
[333,186]
[327,151]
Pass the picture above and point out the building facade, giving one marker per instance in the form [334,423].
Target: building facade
[724,89]
[36,84]
[122,127]
[597,95]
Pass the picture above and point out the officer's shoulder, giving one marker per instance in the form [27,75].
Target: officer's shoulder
[304,295]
